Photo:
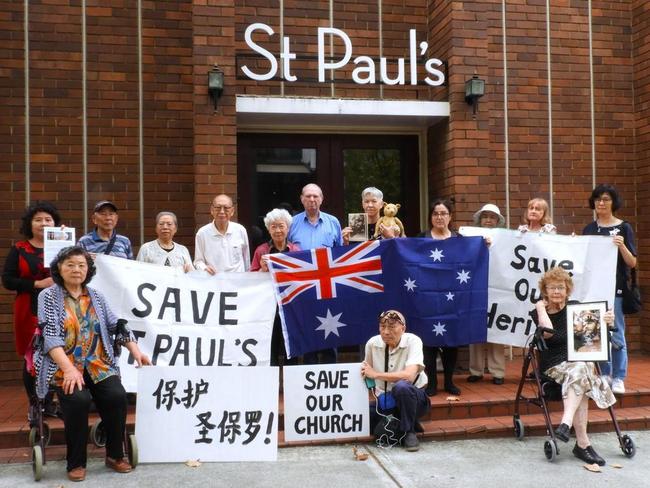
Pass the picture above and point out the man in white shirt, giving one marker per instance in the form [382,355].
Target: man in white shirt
[222,246]
[395,361]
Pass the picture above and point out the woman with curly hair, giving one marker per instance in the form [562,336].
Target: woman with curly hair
[26,274]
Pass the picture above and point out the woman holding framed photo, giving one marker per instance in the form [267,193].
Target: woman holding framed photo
[579,379]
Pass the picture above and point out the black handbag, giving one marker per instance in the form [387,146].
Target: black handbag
[632,296]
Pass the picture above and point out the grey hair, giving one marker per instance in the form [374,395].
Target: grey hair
[171,214]
[277,214]
[375,192]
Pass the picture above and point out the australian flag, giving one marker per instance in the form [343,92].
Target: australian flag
[332,297]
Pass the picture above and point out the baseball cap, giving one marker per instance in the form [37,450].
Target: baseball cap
[104,203]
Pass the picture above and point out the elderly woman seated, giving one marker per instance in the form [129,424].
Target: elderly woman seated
[580,380]
[78,359]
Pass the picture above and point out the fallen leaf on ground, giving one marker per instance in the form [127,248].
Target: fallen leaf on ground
[617,466]
[193,463]
[594,468]
[359,455]
[453,399]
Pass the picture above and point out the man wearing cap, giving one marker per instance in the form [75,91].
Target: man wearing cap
[222,246]
[490,217]
[105,239]
[394,360]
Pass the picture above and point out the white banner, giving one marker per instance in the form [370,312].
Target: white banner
[325,402]
[189,319]
[207,414]
[518,261]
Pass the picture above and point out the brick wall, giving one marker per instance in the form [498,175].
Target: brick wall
[189,150]
[56,122]
[640,42]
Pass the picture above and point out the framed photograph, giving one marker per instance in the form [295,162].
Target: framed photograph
[587,332]
[359,224]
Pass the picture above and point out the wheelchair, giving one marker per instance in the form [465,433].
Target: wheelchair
[545,389]
[40,432]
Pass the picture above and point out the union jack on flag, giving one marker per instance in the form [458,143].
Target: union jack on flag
[325,273]
[331,297]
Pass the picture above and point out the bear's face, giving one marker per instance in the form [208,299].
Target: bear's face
[390,209]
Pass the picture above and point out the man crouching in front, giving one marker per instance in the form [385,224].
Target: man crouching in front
[395,362]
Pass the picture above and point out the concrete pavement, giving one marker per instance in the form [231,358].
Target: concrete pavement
[481,463]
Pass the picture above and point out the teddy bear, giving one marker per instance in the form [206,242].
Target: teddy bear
[389,220]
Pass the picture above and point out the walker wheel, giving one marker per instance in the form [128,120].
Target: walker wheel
[35,437]
[519,428]
[37,462]
[133,451]
[98,433]
[550,450]
[627,446]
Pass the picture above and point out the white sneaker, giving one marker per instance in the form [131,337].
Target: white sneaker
[618,386]
[606,379]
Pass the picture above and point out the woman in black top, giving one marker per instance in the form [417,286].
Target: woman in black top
[605,200]
[580,380]
[440,218]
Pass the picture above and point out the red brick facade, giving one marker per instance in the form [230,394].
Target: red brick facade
[189,151]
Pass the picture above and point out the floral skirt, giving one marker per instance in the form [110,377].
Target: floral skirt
[583,379]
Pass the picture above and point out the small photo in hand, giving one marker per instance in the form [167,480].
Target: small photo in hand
[358,222]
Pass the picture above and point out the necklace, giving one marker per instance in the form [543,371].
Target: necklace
[167,247]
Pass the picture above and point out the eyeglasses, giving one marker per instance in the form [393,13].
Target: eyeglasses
[556,288]
[604,199]
[440,214]
[225,208]
[279,226]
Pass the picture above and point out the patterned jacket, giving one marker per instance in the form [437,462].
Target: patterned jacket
[51,316]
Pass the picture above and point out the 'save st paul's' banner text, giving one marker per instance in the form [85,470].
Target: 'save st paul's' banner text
[189,319]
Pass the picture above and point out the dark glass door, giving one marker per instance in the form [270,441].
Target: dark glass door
[273,168]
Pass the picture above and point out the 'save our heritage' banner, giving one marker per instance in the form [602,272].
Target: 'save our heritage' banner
[332,297]
[518,261]
[189,319]
[207,414]
[325,402]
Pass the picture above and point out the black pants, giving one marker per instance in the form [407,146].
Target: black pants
[448,356]
[110,398]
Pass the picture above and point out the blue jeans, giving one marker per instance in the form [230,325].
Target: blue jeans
[617,367]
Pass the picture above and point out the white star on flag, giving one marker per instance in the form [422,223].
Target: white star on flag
[450,297]
[439,328]
[410,284]
[330,324]
[437,255]
[463,276]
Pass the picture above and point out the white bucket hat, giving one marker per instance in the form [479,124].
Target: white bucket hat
[489,207]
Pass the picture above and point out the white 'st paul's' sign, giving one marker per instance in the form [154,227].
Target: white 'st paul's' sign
[365,71]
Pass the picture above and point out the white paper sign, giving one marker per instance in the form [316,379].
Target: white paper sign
[325,402]
[189,319]
[207,414]
[55,239]
[518,261]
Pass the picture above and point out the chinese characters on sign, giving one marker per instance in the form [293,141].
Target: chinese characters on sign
[205,420]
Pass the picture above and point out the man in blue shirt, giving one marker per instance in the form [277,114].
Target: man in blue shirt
[105,239]
[312,229]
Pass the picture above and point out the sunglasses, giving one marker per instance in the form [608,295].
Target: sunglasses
[391,315]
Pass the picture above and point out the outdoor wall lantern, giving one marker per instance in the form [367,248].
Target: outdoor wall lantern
[474,89]
[215,85]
